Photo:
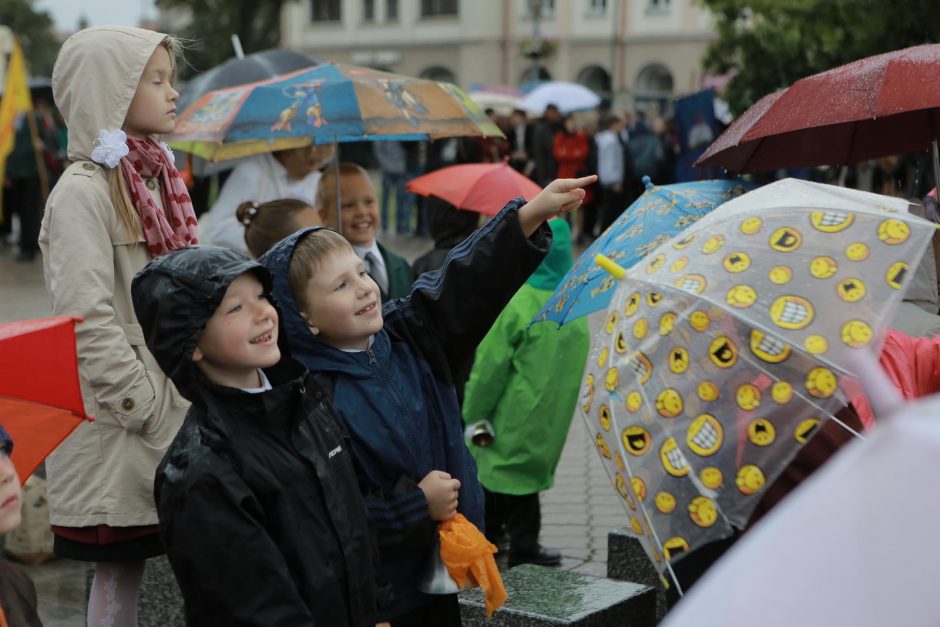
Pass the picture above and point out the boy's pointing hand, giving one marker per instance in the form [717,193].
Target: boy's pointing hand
[559,197]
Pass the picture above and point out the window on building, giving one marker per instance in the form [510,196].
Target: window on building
[658,6]
[391,10]
[595,78]
[596,8]
[438,73]
[654,89]
[325,10]
[547,8]
[434,8]
[368,10]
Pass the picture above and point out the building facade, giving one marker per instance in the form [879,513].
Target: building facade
[637,53]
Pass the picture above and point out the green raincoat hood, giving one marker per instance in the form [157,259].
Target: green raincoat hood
[558,260]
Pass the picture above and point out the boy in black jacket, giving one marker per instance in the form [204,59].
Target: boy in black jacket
[259,508]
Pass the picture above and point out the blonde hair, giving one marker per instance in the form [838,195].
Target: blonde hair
[307,257]
[268,223]
[117,186]
[326,187]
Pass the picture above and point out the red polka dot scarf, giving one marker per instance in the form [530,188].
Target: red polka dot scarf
[175,226]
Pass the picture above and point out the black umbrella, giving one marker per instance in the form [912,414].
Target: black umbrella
[253,67]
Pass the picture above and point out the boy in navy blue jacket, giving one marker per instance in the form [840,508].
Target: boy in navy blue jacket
[391,373]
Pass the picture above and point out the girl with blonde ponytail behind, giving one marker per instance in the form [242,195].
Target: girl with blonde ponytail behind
[121,203]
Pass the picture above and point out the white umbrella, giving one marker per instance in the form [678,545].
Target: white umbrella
[502,103]
[852,546]
[567,97]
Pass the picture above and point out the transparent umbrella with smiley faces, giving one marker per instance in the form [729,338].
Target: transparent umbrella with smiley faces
[724,350]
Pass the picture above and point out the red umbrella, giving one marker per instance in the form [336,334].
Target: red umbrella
[40,396]
[883,105]
[480,187]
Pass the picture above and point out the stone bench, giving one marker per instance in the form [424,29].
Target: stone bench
[160,603]
[548,596]
[627,561]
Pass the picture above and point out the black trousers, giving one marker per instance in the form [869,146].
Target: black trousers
[520,515]
[442,611]
[24,198]
[613,203]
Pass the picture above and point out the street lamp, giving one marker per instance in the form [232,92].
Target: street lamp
[535,50]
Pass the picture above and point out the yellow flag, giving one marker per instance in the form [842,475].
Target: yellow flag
[14,101]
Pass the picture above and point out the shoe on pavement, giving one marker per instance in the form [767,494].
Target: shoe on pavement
[542,556]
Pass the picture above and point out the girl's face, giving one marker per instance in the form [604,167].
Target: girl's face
[360,211]
[343,304]
[153,109]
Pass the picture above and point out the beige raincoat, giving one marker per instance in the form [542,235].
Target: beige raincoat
[103,473]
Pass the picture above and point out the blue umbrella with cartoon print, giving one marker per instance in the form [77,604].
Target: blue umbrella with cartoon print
[329,103]
[654,218]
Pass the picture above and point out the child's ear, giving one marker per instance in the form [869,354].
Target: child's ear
[310,325]
[197,355]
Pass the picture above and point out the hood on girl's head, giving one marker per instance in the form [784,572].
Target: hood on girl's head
[95,78]
[175,295]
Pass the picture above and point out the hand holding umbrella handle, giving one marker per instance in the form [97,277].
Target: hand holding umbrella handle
[559,197]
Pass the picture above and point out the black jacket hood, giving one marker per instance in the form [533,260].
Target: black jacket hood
[175,295]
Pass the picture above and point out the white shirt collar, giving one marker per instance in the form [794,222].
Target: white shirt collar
[359,350]
[374,249]
[265,384]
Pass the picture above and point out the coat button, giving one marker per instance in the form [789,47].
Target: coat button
[88,166]
[127,404]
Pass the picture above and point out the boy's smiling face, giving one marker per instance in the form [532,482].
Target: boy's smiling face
[240,337]
[342,301]
[360,211]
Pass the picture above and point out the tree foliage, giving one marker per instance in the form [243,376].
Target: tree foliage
[772,43]
[256,22]
[34,30]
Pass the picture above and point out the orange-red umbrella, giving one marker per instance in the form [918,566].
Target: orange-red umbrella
[480,187]
[40,396]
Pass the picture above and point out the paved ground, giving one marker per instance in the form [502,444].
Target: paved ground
[577,513]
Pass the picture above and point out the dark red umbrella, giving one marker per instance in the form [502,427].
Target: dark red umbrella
[883,105]
[40,396]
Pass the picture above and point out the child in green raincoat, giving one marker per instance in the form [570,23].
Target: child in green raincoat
[525,383]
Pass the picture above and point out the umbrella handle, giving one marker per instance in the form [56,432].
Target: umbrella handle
[615,270]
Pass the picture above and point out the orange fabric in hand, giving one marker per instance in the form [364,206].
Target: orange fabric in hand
[469,560]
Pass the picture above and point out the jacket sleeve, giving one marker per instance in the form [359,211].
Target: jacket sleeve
[227,565]
[219,227]
[492,369]
[79,268]
[401,519]
[460,301]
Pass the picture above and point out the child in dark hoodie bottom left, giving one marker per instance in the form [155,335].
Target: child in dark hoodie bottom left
[257,498]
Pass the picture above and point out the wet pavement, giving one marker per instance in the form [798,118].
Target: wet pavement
[577,513]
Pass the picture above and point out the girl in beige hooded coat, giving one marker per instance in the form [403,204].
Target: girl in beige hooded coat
[119,204]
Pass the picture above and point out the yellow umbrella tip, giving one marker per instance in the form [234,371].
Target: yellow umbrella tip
[615,270]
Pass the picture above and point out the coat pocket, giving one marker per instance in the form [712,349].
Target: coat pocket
[165,398]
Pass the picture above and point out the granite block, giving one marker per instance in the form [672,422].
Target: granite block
[540,596]
[627,561]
